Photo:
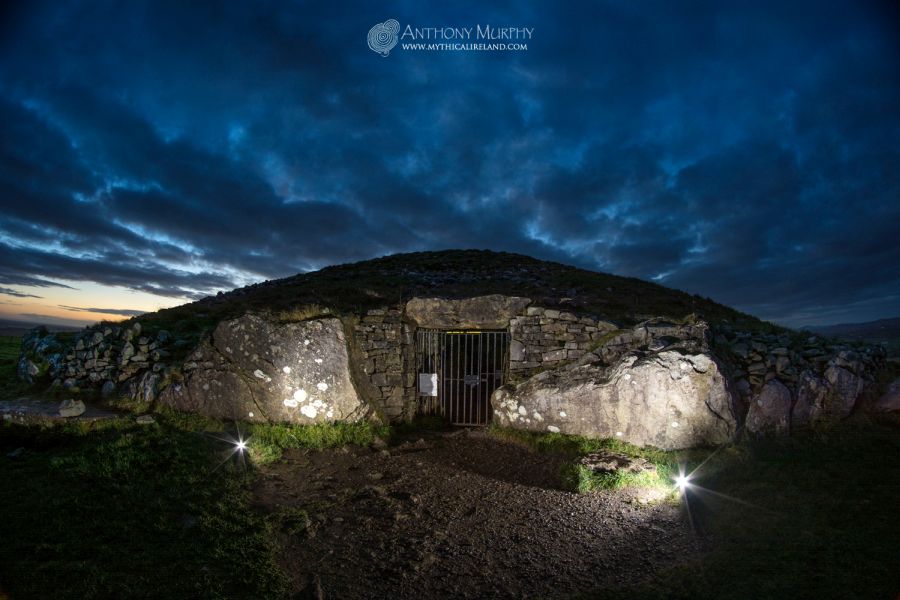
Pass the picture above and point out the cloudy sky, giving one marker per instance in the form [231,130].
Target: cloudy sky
[152,153]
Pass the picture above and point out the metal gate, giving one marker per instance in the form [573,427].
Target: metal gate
[458,371]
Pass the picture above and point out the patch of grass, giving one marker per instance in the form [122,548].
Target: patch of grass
[583,480]
[267,441]
[291,520]
[302,313]
[118,510]
[11,387]
[814,516]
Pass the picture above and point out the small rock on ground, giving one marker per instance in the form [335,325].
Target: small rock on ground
[71,408]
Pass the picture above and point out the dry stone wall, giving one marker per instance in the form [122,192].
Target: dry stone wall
[568,372]
[788,381]
[385,343]
[545,338]
[109,357]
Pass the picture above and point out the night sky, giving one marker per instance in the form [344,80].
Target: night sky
[153,153]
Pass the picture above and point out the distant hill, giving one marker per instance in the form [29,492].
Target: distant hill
[18,328]
[882,331]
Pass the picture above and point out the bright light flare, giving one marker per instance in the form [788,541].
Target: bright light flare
[241,445]
[682,482]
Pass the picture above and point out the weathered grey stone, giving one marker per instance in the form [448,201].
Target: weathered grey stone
[812,393]
[108,389]
[667,399]
[481,312]
[126,353]
[516,351]
[145,420]
[71,408]
[770,410]
[26,370]
[606,461]
[143,387]
[890,400]
[255,369]
[846,388]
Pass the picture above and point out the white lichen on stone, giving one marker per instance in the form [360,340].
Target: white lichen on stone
[552,428]
[537,416]
[250,414]
[309,411]
[674,423]
[318,361]
[563,414]
[522,410]
[306,342]
[300,395]
[618,434]
[260,375]
[290,403]
[322,386]
[286,370]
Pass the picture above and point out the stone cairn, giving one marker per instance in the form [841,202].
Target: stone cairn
[108,357]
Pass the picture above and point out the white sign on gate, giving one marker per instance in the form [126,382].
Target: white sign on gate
[428,384]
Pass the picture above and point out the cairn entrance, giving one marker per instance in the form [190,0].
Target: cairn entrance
[458,371]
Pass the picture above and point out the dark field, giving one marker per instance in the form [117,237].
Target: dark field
[116,509]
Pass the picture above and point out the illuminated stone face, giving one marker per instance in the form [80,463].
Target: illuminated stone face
[295,372]
[669,399]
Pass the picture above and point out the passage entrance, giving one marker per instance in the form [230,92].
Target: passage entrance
[458,371]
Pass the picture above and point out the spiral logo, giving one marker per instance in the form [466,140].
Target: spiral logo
[383,37]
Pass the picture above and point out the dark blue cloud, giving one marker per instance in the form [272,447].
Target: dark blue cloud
[745,152]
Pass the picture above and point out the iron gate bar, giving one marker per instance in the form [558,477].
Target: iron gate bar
[470,365]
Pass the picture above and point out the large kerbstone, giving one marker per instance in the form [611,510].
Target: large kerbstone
[668,399]
[846,389]
[890,400]
[771,409]
[253,369]
[481,312]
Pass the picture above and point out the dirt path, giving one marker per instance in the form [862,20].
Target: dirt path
[461,515]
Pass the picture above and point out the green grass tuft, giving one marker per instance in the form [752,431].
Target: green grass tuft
[267,441]
[583,480]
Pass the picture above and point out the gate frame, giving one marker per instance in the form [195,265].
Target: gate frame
[433,344]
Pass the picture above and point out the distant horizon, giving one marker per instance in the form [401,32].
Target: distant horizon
[36,319]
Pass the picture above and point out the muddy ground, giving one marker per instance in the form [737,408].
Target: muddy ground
[462,515]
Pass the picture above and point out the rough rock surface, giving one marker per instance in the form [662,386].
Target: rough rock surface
[665,399]
[846,388]
[771,409]
[605,461]
[71,408]
[812,394]
[480,312]
[890,400]
[253,369]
